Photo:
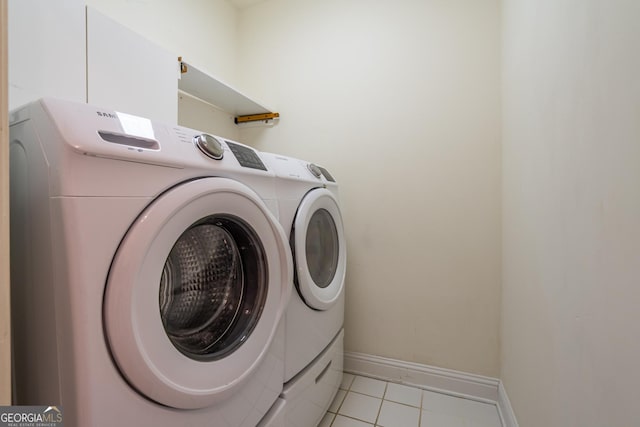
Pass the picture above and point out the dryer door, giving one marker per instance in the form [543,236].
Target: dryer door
[319,249]
[196,291]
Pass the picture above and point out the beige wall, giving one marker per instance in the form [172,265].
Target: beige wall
[400,101]
[5,325]
[570,346]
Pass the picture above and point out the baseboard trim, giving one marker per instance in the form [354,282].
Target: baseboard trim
[455,383]
[505,410]
[443,380]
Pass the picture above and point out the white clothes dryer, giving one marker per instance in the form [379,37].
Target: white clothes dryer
[309,211]
[149,272]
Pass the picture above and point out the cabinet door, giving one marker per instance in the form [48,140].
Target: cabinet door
[128,73]
[47,50]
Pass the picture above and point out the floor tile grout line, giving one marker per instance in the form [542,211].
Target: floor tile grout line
[368,395]
[403,404]
[407,386]
[341,402]
[420,409]
[382,400]
[386,384]
[346,393]
[333,420]
[407,404]
[352,418]
[375,379]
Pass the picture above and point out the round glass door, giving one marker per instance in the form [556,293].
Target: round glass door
[213,287]
[195,293]
[322,248]
[319,249]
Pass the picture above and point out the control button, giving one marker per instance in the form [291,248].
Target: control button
[326,174]
[209,145]
[315,170]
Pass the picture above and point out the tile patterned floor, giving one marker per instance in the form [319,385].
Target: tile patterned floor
[366,402]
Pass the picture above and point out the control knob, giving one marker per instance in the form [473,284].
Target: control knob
[209,145]
[315,170]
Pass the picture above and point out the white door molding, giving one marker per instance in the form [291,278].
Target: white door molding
[5,313]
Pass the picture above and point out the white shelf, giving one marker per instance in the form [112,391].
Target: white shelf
[210,89]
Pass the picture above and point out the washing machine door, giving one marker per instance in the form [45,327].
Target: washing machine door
[196,291]
[319,249]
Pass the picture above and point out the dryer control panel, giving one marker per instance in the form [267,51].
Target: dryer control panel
[292,168]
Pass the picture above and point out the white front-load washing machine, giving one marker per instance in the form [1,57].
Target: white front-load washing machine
[309,211]
[149,272]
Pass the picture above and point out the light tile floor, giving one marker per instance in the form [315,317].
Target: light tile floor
[366,402]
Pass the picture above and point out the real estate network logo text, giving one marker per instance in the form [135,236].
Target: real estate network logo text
[31,416]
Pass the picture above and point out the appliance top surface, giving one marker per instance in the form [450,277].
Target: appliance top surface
[104,133]
[290,168]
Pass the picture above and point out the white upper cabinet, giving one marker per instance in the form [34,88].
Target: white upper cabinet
[128,73]
[47,50]
[65,50]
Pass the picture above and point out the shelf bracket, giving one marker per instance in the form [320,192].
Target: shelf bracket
[183,65]
[256,117]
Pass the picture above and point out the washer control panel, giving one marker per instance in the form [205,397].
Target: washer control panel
[209,145]
[246,156]
[213,147]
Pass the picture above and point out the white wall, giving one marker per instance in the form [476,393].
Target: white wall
[196,114]
[400,101]
[571,293]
